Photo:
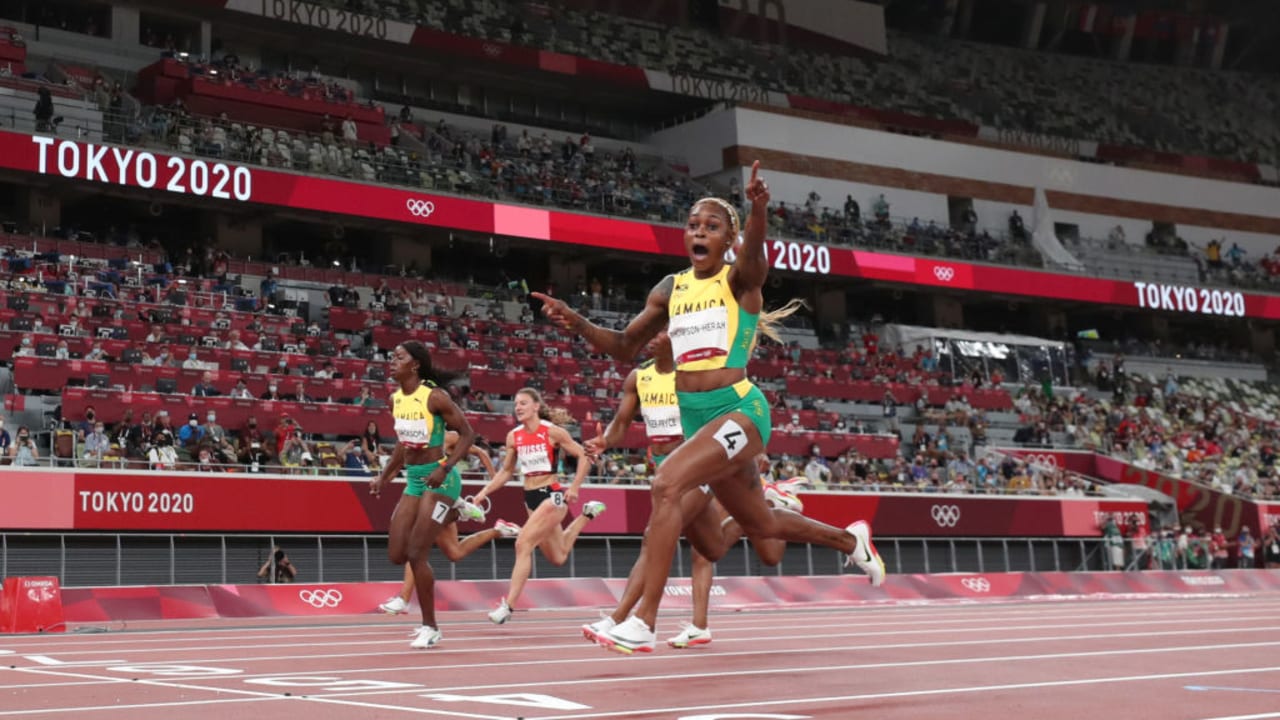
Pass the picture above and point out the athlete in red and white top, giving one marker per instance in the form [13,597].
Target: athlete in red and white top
[531,449]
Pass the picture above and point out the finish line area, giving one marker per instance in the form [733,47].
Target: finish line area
[1193,658]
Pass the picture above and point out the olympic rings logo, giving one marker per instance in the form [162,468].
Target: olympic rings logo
[947,516]
[321,598]
[977,584]
[1046,460]
[419,208]
[944,272]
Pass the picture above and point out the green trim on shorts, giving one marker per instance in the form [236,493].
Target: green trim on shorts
[700,409]
[417,481]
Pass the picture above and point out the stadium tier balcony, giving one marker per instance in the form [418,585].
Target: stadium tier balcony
[1146,114]
[246,96]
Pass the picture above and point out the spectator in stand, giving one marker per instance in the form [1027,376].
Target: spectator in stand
[162,455]
[1112,545]
[300,393]
[1218,549]
[43,110]
[190,436]
[97,444]
[205,387]
[1271,547]
[350,135]
[273,392]
[241,391]
[6,440]
[1246,549]
[1139,539]
[24,452]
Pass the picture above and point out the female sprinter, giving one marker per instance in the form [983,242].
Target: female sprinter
[651,388]
[533,445]
[422,410]
[711,311]
[447,539]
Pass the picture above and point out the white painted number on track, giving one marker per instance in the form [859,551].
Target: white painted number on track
[332,684]
[533,700]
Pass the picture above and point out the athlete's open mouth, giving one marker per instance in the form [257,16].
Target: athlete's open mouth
[700,251]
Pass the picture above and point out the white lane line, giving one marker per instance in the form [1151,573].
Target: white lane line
[647,659]
[246,696]
[1262,716]
[800,702]
[560,632]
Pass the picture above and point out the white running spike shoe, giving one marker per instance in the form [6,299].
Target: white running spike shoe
[426,637]
[691,636]
[500,614]
[593,509]
[469,512]
[506,529]
[865,555]
[782,498]
[395,606]
[629,637]
[593,631]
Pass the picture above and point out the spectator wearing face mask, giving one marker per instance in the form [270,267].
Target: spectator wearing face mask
[6,440]
[97,444]
[281,368]
[162,455]
[191,434]
[24,451]
[273,392]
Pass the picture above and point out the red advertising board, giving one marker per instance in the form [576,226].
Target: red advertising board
[229,182]
[1199,507]
[191,502]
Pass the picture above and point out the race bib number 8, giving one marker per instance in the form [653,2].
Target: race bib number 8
[557,498]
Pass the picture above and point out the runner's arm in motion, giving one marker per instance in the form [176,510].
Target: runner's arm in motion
[504,475]
[751,268]
[561,438]
[393,467]
[618,426]
[622,345]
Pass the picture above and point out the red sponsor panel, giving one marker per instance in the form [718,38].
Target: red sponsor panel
[1199,507]
[320,599]
[1268,515]
[980,586]
[36,500]
[148,602]
[958,515]
[31,604]
[1071,460]
[1086,517]
[186,501]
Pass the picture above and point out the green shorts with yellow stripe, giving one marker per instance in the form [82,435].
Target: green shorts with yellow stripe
[417,481]
[699,409]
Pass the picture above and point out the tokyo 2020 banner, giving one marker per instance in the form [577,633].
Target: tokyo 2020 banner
[228,502]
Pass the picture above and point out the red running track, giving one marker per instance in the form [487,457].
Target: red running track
[1192,659]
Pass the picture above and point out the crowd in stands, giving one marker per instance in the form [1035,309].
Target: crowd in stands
[1223,435]
[1183,110]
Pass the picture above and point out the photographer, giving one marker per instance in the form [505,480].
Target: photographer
[162,455]
[284,569]
[24,451]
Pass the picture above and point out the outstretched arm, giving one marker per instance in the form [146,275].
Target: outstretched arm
[751,268]
[621,345]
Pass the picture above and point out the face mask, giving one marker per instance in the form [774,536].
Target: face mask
[99,429]
[89,415]
[283,363]
[194,423]
[211,417]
